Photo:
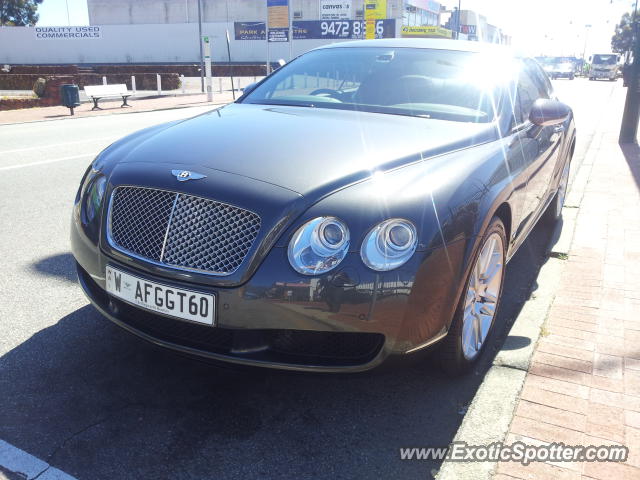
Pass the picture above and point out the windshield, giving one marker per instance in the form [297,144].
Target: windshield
[424,83]
[605,59]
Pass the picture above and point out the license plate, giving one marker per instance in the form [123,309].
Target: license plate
[165,299]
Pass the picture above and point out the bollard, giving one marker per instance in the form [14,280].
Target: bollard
[159,84]
[104,80]
[133,84]
[254,79]
[182,83]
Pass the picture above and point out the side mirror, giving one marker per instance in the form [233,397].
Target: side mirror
[249,88]
[547,112]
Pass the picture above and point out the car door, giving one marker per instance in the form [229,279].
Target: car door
[520,153]
[542,144]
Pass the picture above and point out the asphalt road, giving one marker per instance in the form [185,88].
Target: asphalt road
[95,402]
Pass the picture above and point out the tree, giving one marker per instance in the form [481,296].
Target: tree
[19,13]
[622,40]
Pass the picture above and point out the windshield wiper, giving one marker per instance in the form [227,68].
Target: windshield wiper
[285,104]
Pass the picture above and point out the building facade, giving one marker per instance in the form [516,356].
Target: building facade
[130,12]
[167,31]
[135,12]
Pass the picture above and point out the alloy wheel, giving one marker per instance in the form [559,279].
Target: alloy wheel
[482,295]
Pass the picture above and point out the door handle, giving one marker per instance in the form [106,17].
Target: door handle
[558,128]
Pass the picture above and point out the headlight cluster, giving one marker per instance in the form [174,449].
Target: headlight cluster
[389,244]
[320,245]
[92,194]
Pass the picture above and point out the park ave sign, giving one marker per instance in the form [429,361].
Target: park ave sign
[67,33]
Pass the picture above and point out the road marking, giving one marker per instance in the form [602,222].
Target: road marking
[56,145]
[44,162]
[19,461]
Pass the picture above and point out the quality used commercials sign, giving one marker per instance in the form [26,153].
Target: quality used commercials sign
[335,9]
[67,33]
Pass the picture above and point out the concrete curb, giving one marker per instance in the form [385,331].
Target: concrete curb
[489,416]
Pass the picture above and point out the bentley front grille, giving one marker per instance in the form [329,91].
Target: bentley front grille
[180,230]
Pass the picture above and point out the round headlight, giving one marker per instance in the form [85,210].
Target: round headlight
[93,197]
[389,244]
[319,245]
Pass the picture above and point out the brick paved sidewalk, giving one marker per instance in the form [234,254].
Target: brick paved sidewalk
[113,107]
[583,385]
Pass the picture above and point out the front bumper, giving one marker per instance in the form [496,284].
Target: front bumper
[603,74]
[350,320]
[276,348]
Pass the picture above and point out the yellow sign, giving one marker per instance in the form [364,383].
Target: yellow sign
[426,32]
[373,10]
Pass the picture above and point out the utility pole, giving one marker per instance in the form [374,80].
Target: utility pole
[629,127]
[584,49]
[290,30]
[200,44]
[459,20]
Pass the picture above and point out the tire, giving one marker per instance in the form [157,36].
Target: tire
[454,355]
[571,77]
[591,79]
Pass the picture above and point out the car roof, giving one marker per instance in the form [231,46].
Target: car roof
[428,43]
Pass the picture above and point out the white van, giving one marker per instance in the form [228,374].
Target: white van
[604,65]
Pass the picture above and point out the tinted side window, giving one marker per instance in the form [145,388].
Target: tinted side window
[540,78]
[528,92]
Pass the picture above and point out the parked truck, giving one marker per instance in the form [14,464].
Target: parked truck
[604,65]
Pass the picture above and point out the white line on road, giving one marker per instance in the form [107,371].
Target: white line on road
[19,461]
[56,145]
[44,162]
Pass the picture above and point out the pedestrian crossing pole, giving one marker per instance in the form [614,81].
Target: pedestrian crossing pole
[207,66]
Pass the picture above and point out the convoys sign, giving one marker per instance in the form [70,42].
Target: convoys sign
[335,9]
[67,33]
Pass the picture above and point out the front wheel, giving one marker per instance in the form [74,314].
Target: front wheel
[554,212]
[478,304]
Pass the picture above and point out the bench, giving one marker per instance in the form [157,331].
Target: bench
[96,92]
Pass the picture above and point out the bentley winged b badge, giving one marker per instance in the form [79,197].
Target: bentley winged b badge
[184,175]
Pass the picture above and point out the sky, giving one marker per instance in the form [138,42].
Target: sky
[553,27]
[54,13]
[550,27]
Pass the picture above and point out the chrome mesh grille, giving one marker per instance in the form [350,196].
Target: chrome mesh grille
[180,230]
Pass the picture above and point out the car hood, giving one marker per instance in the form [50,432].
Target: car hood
[306,150]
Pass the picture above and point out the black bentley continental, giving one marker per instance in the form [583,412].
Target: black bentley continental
[357,204]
